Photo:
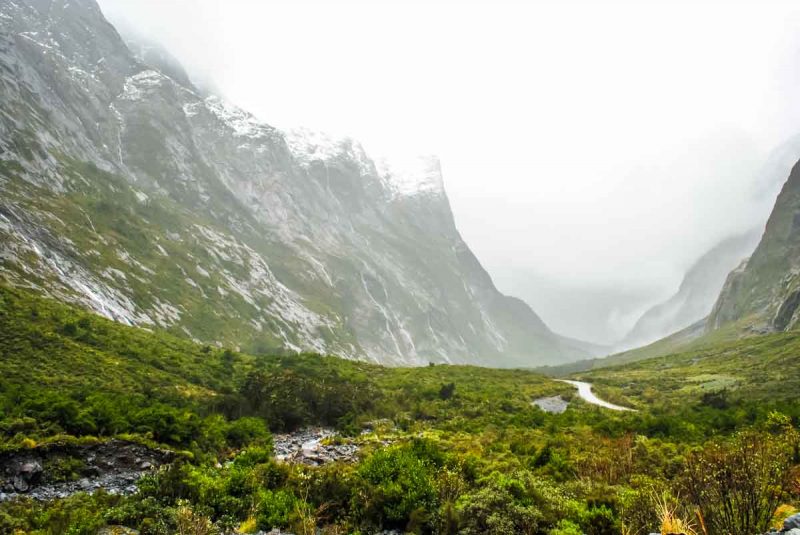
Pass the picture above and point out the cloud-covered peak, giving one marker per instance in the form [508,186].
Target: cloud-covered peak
[411,176]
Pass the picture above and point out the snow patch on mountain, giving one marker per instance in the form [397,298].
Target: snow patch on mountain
[141,84]
[401,176]
[308,146]
[241,123]
[411,176]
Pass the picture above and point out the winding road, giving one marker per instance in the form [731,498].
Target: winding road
[585,392]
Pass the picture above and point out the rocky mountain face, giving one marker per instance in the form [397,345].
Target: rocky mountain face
[685,314]
[696,295]
[125,189]
[763,293]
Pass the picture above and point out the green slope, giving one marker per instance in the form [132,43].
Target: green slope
[758,368]
[453,449]
[52,353]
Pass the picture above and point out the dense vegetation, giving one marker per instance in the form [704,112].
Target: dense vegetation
[449,449]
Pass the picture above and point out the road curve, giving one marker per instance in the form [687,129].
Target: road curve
[585,392]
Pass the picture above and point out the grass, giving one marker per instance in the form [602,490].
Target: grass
[758,368]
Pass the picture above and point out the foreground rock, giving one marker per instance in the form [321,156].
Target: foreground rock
[793,522]
[311,447]
[553,405]
[58,470]
[791,526]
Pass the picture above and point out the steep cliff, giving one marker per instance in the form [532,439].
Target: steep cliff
[125,189]
[764,293]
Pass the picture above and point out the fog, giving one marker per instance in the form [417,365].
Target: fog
[592,151]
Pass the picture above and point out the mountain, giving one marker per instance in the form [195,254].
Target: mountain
[127,190]
[764,293]
[696,295]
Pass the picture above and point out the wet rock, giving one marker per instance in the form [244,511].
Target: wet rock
[30,468]
[111,466]
[25,475]
[793,522]
[306,447]
[20,485]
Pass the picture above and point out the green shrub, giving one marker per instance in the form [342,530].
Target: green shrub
[600,521]
[566,527]
[493,510]
[275,509]
[395,483]
[738,484]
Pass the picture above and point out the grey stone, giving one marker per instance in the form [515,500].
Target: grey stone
[21,484]
[553,405]
[307,446]
[30,469]
[793,522]
[107,466]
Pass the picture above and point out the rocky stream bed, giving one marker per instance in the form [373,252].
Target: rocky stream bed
[313,447]
[60,470]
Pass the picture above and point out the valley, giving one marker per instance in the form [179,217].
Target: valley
[210,325]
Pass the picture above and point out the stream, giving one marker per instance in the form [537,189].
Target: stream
[585,392]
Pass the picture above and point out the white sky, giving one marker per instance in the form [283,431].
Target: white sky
[594,147]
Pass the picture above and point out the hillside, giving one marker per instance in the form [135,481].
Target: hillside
[53,354]
[128,190]
[763,292]
[758,368]
[756,297]
[436,446]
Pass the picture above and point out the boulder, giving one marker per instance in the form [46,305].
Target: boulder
[27,473]
[793,522]
[20,485]
[30,469]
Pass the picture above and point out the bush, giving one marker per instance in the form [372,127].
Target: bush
[600,521]
[738,485]
[566,527]
[395,483]
[494,511]
[275,509]
[244,431]
[447,390]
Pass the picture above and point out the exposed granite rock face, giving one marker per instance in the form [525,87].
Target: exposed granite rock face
[127,190]
[764,292]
